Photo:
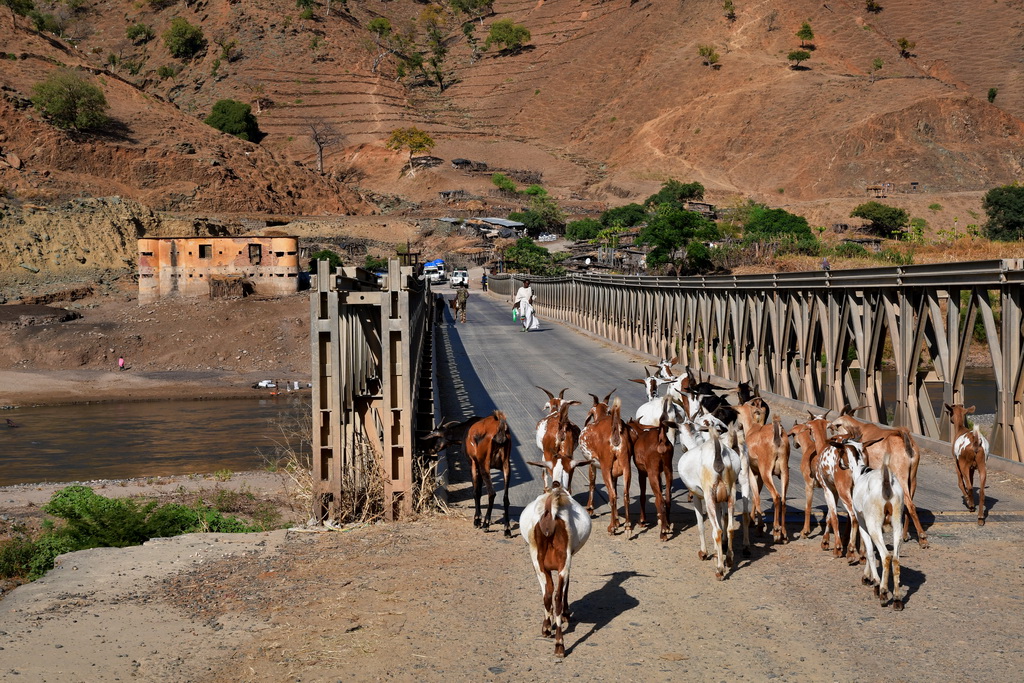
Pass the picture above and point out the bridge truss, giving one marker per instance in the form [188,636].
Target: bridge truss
[822,338]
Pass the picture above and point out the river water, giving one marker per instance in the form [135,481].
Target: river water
[141,439]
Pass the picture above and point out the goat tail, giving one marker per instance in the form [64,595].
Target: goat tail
[908,443]
[616,415]
[501,434]
[777,431]
[886,478]
[719,463]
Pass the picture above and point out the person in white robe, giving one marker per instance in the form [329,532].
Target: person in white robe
[523,302]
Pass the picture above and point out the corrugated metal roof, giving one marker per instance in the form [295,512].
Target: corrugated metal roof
[505,223]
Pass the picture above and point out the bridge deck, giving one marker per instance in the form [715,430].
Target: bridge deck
[488,363]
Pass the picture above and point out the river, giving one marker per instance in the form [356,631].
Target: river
[140,439]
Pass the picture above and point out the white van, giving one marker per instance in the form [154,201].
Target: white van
[434,274]
[460,278]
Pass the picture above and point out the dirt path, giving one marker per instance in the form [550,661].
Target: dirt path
[438,599]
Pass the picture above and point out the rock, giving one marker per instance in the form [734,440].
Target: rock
[13,160]
[29,268]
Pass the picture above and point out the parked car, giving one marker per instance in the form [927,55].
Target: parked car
[460,278]
[435,274]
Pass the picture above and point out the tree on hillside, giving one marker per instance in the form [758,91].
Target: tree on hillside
[675,193]
[323,134]
[805,34]
[234,118]
[797,56]
[872,6]
[70,101]
[671,228]
[767,224]
[527,257]
[627,216]
[18,7]
[583,229]
[884,220]
[730,10]
[1005,208]
[139,33]
[905,47]
[183,40]
[434,21]
[708,55]
[474,9]
[412,139]
[508,34]
[876,66]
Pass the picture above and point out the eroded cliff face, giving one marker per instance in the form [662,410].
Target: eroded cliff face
[79,241]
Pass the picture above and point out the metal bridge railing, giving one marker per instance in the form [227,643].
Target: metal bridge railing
[371,355]
[822,337]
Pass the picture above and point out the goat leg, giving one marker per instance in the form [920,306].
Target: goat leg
[981,492]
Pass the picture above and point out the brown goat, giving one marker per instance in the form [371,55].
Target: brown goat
[652,454]
[836,481]
[557,438]
[904,459]
[811,437]
[607,442]
[768,446]
[970,449]
[487,443]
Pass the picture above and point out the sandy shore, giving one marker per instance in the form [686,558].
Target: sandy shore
[61,387]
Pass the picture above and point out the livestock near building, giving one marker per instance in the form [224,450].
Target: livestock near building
[555,526]
[970,449]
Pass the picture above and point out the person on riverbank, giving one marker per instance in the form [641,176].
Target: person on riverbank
[120,363]
[523,302]
[461,299]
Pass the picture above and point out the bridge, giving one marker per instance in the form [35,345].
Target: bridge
[598,333]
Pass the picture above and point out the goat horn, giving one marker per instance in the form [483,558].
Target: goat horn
[561,394]
[609,395]
[596,399]
[551,397]
[646,371]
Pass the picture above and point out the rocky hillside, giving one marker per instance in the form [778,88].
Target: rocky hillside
[607,100]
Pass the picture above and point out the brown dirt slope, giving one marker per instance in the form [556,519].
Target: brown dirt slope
[608,100]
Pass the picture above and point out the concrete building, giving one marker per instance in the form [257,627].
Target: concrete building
[217,266]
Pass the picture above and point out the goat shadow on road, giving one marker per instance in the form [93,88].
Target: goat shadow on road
[463,396]
[600,607]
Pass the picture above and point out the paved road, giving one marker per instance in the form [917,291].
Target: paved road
[487,363]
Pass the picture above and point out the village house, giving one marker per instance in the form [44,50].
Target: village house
[217,266]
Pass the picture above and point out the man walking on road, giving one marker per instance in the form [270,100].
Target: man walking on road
[460,302]
[524,302]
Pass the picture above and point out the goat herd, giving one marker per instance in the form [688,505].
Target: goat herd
[728,453]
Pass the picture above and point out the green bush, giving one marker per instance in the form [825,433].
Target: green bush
[884,220]
[235,118]
[69,101]
[851,250]
[626,216]
[183,39]
[768,224]
[1005,208]
[374,264]
[93,521]
[325,255]
[166,71]
[583,229]
[139,33]
[45,23]
[676,193]
[503,182]
[508,34]
[895,257]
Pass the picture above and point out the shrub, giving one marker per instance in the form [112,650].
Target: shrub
[503,182]
[851,250]
[326,255]
[767,224]
[166,72]
[139,33]
[992,92]
[69,101]
[884,220]
[709,56]
[527,257]
[797,56]
[1005,209]
[675,193]
[895,257]
[183,40]
[626,216]
[583,229]
[508,34]
[45,23]
[235,118]
[374,264]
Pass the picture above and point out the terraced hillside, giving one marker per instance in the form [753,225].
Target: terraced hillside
[606,100]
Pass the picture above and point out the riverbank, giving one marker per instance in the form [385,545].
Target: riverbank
[23,388]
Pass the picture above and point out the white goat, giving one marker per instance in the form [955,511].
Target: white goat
[556,527]
[878,495]
[712,473]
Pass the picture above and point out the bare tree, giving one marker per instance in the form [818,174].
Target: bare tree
[323,134]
